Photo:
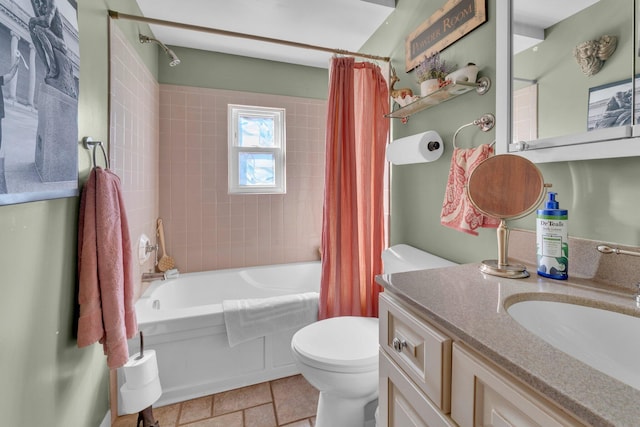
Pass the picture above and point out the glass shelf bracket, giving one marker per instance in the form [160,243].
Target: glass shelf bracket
[482,86]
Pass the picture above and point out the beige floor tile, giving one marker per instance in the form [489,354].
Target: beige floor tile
[294,399]
[167,415]
[294,402]
[126,421]
[233,419]
[260,416]
[241,398]
[196,409]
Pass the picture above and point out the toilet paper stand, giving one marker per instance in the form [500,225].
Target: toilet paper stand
[146,415]
[142,386]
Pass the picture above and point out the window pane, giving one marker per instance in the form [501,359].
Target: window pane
[256,131]
[256,155]
[256,169]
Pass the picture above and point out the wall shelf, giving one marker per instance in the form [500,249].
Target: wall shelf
[441,95]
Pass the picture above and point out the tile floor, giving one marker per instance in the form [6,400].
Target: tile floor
[289,402]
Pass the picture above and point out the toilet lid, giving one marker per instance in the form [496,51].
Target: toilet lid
[341,344]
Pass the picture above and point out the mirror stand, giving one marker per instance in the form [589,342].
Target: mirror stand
[505,187]
[501,266]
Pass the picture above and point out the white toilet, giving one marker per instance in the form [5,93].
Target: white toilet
[339,356]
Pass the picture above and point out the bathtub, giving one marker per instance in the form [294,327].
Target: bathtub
[183,321]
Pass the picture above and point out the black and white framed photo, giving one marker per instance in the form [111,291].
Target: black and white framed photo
[610,105]
[39,80]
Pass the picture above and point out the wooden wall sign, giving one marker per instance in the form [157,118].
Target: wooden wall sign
[447,25]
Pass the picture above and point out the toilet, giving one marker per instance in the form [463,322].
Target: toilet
[401,258]
[339,355]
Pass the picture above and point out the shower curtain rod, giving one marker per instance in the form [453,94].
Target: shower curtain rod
[118,15]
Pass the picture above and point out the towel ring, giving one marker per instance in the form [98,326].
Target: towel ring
[485,123]
[89,143]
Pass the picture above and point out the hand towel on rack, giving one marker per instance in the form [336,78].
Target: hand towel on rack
[457,211]
[246,319]
[105,268]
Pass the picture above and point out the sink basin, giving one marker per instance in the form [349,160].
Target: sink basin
[605,340]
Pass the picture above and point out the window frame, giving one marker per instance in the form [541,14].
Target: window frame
[278,115]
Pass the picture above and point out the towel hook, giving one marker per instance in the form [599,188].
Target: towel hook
[89,143]
[485,123]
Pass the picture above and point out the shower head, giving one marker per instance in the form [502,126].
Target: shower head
[173,58]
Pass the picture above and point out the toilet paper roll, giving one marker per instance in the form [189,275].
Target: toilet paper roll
[418,148]
[140,372]
[135,400]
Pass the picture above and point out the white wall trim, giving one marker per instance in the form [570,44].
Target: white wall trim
[106,421]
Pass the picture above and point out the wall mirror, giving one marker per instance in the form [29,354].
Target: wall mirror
[550,109]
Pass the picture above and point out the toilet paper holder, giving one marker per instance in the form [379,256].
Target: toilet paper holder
[485,123]
[419,148]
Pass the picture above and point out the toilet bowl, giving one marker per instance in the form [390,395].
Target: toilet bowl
[339,357]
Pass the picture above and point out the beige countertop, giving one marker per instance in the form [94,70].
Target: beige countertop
[470,306]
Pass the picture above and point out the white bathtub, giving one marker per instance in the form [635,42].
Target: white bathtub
[182,319]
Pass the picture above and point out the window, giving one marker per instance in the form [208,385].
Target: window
[256,149]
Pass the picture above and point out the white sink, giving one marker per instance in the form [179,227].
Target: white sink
[605,340]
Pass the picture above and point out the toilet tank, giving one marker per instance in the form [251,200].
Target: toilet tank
[399,258]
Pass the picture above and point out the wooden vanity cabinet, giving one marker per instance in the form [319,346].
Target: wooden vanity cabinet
[481,395]
[415,369]
[428,380]
[402,404]
[419,349]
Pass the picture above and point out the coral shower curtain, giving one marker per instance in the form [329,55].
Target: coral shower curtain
[353,213]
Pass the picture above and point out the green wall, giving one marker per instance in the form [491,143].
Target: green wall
[417,190]
[45,379]
[200,68]
[602,196]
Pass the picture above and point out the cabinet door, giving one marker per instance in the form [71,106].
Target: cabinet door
[482,396]
[419,349]
[402,404]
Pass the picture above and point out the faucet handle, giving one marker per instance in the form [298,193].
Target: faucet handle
[609,250]
[637,295]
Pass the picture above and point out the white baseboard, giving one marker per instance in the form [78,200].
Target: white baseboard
[106,421]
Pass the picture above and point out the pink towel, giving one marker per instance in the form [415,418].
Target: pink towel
[105,271]
[457,211]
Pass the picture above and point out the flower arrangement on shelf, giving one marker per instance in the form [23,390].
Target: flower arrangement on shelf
[432,69]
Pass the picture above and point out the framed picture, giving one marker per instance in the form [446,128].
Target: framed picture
[454,20]
[610,105]
[39,75]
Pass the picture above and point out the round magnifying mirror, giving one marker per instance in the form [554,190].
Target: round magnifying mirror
[505,186]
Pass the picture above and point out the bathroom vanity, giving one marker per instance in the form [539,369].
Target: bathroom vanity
[452,355]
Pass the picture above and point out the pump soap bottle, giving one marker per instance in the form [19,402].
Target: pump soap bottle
[552,240]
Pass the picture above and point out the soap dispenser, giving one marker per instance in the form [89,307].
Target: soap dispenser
[552,240]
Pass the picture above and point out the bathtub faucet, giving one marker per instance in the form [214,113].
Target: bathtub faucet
[169,274]
[150,277]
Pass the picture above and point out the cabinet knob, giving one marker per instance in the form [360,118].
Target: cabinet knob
[398,344]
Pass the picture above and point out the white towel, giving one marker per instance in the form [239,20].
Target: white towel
[246,319]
